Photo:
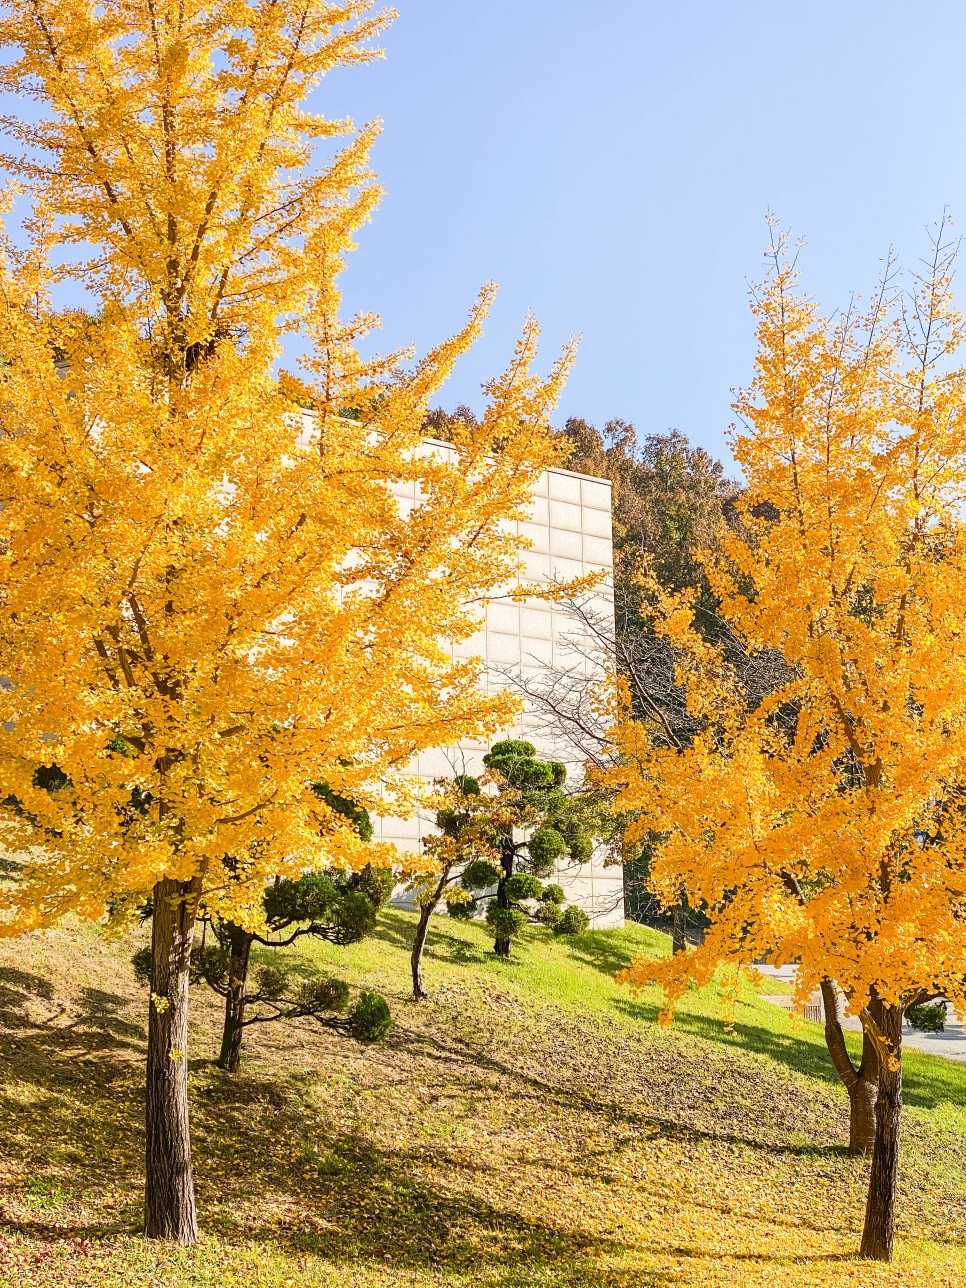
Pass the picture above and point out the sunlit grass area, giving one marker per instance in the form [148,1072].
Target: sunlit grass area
[529,1125]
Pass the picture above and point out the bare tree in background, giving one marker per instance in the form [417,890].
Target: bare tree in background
[566,707]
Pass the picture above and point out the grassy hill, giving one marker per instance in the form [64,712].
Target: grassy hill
[529,1125]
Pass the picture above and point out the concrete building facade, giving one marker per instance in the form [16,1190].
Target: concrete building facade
[570,531]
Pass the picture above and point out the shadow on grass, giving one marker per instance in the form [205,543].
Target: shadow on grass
[97,1023]
[432,1202]
[279,1162]
[780,1259]
[925,1083]
[602,950]
[358,1201]
[659,1088]
[272,1166]
[70,1104]
[269,1168]
[397,930]
[16,986]
[599,949]
[71,1116]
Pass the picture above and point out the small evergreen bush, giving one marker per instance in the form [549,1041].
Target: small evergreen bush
[370,1019]
[928,1017]
[323,993]
[572,921]
[523,885]
[481,874]
[505,922]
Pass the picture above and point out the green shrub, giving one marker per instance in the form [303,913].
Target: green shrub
[573,921]
[928,1017]
[323,993]
[511,747]
[581,848]
[523,885]
[546,847]
[356,814]
[513,760]
[272,981]
[505,922]
[481,874]
[552,894]
[449,821]
[210,963]
[548,914]
[343,904]
[370,1019]
[460,909]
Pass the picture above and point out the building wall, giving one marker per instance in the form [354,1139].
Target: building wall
[570,531]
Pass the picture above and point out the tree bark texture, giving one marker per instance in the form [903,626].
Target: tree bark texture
[240,943]
[507,855]
[679,927]
[416,957]
[169,1198]
[862,1083]
[863,1095]
[878,1236]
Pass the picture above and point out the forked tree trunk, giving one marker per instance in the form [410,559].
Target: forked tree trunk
[231,1038]
[862,1083]
[416,957]
[169,1196]
[880,1210]
[863,1095]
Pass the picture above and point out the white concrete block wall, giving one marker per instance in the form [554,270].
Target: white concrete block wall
[570,530]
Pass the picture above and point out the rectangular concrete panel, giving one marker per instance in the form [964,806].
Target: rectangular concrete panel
[570,533]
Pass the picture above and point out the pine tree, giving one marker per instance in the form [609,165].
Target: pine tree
[336,906]
[499,837]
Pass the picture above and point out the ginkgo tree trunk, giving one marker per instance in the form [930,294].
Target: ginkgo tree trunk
[861,1081]
[822,823]
[211,596]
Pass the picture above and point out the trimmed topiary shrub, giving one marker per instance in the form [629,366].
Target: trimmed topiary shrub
[546,846]
[548,914]
[481,874]
[500,838]
[461,909]
[323,993]
[928,1017]
[572,921]
[523,885]
[370,1019]
[505,922]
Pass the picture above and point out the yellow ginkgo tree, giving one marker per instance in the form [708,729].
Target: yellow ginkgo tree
[823,822]
[214,592]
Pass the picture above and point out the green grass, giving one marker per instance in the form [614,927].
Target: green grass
[578,973]
[529,1125]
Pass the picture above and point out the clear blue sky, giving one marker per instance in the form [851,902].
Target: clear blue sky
[611,164]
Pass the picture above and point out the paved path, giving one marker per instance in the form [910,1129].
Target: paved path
[951,1043]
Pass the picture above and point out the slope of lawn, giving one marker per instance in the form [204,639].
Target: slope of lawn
[529,1125]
